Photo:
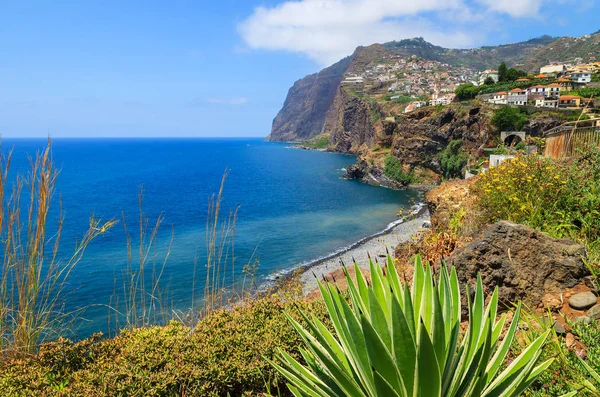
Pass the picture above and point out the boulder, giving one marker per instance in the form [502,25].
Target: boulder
[523,263]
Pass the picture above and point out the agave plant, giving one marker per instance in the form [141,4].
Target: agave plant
[390,339]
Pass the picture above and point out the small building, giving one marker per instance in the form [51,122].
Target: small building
[353,80]
[583,76]
[553,90]
[569,101]
[497,159]
[522,80]
[499,98]
[537,90]
[517,96]
[541,76]
[565,83]
[546,103]
[553,69]
[488,73]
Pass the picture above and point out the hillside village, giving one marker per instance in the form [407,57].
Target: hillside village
[412,80]
[417,82]
[564,77]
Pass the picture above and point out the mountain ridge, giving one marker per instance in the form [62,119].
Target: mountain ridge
[311,101]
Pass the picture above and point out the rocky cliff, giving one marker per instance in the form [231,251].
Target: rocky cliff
[319,103]
[303,114]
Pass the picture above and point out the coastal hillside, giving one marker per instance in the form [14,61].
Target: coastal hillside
[380,80]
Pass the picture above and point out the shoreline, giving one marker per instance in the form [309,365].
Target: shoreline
[397,232]
[375,246]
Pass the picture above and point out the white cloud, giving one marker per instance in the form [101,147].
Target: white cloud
[328,30]
[228,101]
[514,8]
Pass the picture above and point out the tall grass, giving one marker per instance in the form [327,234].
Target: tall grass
[33,277]
[141,300]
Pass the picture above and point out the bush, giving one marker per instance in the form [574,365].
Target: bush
[509,118]
[453,160]
[393,170]
[224,354]
[561,198]
[466,91]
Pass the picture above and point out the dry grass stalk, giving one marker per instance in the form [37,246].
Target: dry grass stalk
[33,280]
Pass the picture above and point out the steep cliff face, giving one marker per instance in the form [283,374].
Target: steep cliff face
[350,122]
[303,114]
[423,134]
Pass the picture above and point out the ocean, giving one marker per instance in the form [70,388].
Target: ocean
[293,208]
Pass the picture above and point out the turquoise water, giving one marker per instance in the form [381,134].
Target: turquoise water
[293,206]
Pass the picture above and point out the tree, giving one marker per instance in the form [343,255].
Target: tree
[489,81]
[466,91]
[502,72]
[453,159]
[512,74]
[509,119]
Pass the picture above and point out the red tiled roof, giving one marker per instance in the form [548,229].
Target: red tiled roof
[569,97]
[516,90]
[501,93]
[539,86]
[554,85]
[541,76]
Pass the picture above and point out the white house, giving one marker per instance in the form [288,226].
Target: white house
[537,90]
[582,76]
[488,73]
[517,96]
[499,98]
[552,90]
[553,69]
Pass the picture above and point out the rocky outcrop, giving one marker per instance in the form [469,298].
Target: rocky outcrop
[303,113]
[523,263]
[423,134]
[370,174]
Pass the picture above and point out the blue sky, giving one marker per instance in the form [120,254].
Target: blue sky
[222,68]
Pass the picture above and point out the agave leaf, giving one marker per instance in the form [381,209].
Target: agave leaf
[428,373]
[529,355]
[532,377]
[439,332]
[383,387]
[361,282]
[379,287]
[379,321]
[404,350]
[500,355]
[380,357]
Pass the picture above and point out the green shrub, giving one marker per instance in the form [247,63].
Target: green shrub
[453,160]
[225,353]
[393,170]
[466,91]
[558,197]
[392,340]
[509,118]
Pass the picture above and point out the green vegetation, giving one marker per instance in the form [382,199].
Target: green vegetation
[509,118]
[453,160]
[224,353]
[489,81]
[319,142]
[392,340]
[561,198]
[393,170]
[511,74]
[587,92]
[466,91]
